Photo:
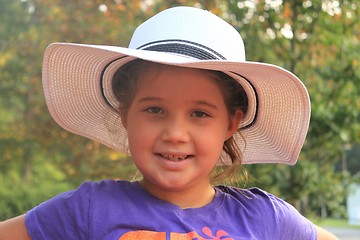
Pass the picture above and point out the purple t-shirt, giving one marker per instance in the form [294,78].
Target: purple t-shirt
[122,210]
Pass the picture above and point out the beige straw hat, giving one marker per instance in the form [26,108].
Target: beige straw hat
[77,83]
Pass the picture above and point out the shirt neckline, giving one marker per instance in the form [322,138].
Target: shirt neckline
[167,206]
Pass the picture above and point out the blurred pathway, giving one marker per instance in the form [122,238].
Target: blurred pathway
[345,233]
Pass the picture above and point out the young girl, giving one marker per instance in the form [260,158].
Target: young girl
[182,100]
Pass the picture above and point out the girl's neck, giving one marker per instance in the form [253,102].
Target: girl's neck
[194,197]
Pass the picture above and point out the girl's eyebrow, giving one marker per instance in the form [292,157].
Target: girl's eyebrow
[149,99]
[206,103]
[196,102]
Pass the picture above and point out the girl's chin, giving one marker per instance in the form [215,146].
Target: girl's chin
[173,184]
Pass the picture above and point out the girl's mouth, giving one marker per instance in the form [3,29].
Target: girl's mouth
[174,157]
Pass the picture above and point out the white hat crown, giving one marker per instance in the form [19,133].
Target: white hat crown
[190,31]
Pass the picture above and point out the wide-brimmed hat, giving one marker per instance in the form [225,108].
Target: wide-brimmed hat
[77,83]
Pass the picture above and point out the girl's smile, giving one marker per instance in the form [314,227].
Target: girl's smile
[173,157]
[174,162]
[177,124]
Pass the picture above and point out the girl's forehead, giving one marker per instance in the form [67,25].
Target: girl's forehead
[175,75]
[162,72]
[174,81]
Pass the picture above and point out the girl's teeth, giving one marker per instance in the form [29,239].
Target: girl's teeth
[174,157]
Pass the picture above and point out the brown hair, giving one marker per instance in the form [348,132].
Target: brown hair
[125,83]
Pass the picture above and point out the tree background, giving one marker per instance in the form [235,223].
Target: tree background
[317,40]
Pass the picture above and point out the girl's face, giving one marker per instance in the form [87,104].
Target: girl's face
[177,124]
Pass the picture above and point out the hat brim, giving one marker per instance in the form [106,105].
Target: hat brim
[73,81]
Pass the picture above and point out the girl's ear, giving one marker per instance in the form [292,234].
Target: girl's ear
[123,118]
[234,122]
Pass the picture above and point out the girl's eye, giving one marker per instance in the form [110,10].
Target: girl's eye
[200,114]
[154,110]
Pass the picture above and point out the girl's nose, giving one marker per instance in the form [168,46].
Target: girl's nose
[176,130]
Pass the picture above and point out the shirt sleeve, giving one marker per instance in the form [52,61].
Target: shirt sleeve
[65,216]
[291,224]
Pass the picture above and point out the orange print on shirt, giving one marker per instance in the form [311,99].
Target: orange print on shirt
[151,235]
[142,234]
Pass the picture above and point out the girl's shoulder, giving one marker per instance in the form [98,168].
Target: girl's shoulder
[257,201]
[260,209]
[107,190]
[75,209]
[105,186]
[247,195]
[108,185]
